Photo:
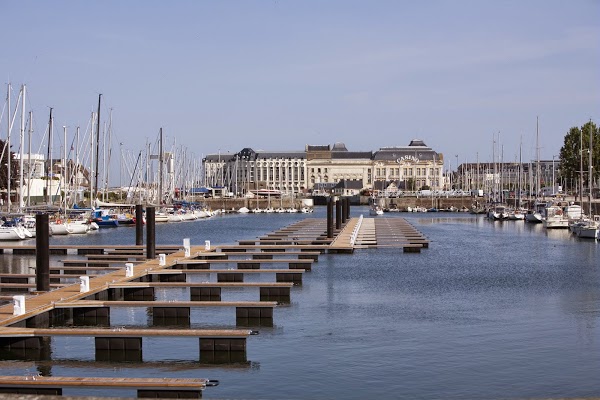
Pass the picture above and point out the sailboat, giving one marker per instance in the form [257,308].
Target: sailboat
[589,229]
[535,212]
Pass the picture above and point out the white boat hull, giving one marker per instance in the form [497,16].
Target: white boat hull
[11,233]
[59,229]
[556,223]
[77,228]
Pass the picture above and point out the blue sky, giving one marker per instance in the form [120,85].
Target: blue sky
[277,75]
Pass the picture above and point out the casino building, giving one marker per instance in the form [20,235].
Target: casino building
[323,166]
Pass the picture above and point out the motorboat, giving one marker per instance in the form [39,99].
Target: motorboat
[498,212]
[516,215]
[555,218]
[589,229]
[375,210]
[536,213]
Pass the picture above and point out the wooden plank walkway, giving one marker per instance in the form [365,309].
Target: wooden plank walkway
[247,264]
[87,262]
[342,241]
[43,302]
[297,245]
[126,285]
[390,232]
[17,248]
[106,382]
[165,304]
[124,332]
[224,271]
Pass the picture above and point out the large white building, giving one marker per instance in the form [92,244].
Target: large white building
[318,166]
[249,171]
[412,166]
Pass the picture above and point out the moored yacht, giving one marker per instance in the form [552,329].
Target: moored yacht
[555,218]
[589,229]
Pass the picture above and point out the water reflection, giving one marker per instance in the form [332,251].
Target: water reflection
[508,303]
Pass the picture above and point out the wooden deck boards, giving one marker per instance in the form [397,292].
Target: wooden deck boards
[124,332]
[157,303]
[104,382]
[199,284]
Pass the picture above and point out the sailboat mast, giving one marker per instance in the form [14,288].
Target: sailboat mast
[21,143]
[537,155]
[520,171]
[590,179]
[76,180]
[29,172]
[49,159]
[581,169]
[494,185]
[91,181]
[9,164]
[160,167]
[97,143]
[64,171]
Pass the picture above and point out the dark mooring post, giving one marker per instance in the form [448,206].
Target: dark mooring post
[347,208]
[330,218]
[344,211]
[139,225]
[150,233]
[42,253]
[338,214]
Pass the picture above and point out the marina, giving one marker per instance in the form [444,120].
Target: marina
[26,330]
[410,290]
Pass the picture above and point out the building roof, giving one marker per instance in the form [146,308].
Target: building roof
[339,146]
[416,150]
[223,157]
[280,154]
[351,154]
[312,147]
[417,142]
[349,184]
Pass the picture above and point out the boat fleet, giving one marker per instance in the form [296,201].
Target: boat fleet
[22,227]
[82,221]
[270,210]
[553,215]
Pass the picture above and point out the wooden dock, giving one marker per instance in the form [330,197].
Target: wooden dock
[145,387]
[390,233]
[87,249]
[295,248]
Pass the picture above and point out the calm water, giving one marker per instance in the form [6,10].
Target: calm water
[491,310]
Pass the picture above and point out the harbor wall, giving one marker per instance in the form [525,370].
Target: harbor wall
[400,203]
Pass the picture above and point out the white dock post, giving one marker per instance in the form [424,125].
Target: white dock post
[128,270]
[207,245]
[162,259]
[186,247]
[84,284]
[19,305]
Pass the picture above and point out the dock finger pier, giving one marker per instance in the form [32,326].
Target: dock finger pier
[75,298]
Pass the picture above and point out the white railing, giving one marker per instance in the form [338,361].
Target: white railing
[356,229]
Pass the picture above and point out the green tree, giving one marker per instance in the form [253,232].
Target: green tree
[571,156]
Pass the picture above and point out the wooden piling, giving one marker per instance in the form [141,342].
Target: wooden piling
[329,218]
[139,225]
[42,243]
[150,233]
[338,214]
